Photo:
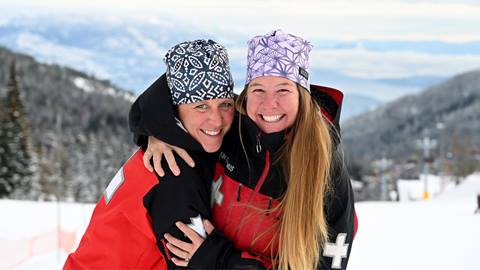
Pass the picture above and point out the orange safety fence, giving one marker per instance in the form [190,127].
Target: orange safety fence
[14,252]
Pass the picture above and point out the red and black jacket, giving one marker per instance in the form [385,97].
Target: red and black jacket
[235,243]
[248,175]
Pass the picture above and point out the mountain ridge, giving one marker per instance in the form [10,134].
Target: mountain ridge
[444,111]
[81,136]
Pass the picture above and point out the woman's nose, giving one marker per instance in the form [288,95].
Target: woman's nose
[216,117]
[270,101]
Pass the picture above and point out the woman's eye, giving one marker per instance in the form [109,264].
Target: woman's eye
[202,107]
[226,105]
[258,91]
[283,91]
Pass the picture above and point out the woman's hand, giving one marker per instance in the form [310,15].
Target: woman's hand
[157,149]
[186,250]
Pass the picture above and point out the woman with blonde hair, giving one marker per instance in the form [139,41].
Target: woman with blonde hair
[280,193]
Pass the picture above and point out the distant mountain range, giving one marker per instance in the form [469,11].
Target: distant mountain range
[79,123]
[130,53]
[448,112]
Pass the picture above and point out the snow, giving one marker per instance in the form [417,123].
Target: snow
[413,189]
[83,84]
[442,233]
[29,234]
[88,87]
[128,96]
[110,91]
[48,51]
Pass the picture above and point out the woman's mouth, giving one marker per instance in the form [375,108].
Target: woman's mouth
[213,132]
[272,118]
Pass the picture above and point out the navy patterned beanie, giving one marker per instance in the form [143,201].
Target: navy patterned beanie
[197,71]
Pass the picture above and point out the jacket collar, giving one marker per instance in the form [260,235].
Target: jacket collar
[153,114]
[262,141]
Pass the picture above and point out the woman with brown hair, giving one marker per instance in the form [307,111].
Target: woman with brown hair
[193,108]
[280,193]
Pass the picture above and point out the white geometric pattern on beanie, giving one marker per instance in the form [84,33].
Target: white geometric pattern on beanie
[197,71]
[278,54]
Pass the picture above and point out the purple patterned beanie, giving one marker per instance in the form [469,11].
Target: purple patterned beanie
[198,70]
[279,54]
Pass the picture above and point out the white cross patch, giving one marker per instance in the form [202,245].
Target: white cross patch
[216,196]
[337,251]
[197,225]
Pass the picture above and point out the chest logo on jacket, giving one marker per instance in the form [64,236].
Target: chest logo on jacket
[217,196]
[226,159]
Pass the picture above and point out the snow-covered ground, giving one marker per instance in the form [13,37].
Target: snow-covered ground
[29,233]
[442,233]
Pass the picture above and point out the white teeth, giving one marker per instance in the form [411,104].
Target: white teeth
[272,118]
[211,132]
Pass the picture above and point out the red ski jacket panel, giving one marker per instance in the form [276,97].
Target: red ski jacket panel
[120,235]
[249,227]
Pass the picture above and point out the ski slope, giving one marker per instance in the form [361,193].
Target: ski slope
[443,233]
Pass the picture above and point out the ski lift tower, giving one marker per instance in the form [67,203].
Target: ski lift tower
[426,144]
[382,166]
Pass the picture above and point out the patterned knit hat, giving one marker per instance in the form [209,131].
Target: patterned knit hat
[278,54]
[197,71]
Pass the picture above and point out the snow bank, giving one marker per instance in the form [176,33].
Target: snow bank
[442,233]
[30,237]
[412,189]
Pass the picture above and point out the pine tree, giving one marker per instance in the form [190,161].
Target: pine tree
[16,168]
[463,162]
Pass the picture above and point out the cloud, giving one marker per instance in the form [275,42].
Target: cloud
[146,45]
[361,63]
[347,20]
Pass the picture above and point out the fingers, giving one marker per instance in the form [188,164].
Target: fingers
[179,262]
[157,163]
[208,226]
[190,233]
[172,164]
[178,252]
[185,156]
[177,243]
[146,160]
[157,149]
[183,249]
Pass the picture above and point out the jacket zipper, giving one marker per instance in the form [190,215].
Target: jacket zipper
[259,145]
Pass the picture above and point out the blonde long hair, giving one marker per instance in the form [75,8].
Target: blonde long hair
[306,158]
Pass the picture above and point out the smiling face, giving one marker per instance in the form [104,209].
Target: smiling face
[272,103]
[207,121]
